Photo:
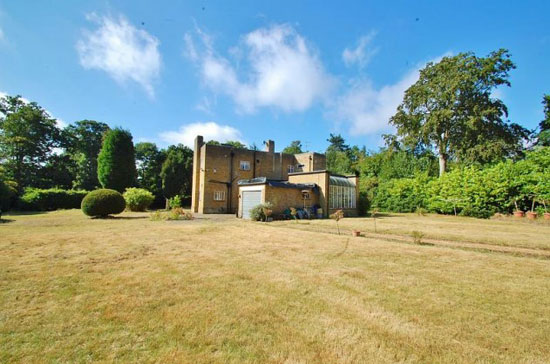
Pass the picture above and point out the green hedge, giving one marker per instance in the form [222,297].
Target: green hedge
[34,199]
[138,199]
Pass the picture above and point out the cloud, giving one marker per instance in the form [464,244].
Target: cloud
[121,50]
[360,55]
[209,130]
[367,109]
[281,70]
[2,36]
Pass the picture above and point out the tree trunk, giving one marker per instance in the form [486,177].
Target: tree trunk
[442,163]
[167,206]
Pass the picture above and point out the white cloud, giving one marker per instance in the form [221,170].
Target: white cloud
[121,50]
[360,55]
[209,130]
[367,109]
[283,70]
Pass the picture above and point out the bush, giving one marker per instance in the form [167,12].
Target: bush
[34,199]
[138,199]
[174,214]
[175,202]
[257,212]
[103,202]
[402,194]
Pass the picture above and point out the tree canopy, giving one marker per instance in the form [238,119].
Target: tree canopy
[149,161]
[177,171]
[27,137]
[295,147]
[452,110]
[543,138]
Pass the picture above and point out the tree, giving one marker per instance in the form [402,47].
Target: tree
[543,138]
[451,109]
[337,143]
[177,172]
[116,165]
[83,143]
[27,136]
[149,161]
[235,143]
[295,147]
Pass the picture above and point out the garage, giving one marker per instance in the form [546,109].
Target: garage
[250,198]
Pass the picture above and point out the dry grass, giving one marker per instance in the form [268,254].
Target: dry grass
[73,289]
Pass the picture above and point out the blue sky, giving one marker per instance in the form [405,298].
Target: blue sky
[252,70]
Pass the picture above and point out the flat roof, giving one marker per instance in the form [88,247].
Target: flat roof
[276,183]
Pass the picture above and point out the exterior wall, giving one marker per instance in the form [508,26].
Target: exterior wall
[217,168]
[321,179]
[283,198]
[249,188]
[311,161]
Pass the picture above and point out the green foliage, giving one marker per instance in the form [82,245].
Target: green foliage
[27,136]
[173,214]
[149,161]
[116,161]
[175,202]
[451,108]
[402,194]
[138,199]
[83,141]
[177,171]
[103,202]
[543,138]
[6,197]
[295,147]
[34,199]
[257,212]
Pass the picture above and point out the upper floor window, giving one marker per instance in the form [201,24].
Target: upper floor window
[290,168]
[245,165]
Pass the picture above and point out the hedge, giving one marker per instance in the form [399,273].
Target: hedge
[34,199]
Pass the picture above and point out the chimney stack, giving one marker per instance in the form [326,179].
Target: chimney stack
[270,146]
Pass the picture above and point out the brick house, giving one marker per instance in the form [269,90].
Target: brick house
[231,180]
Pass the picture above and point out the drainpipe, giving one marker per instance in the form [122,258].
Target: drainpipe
[230,184]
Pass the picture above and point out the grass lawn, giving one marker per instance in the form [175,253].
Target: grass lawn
[74,289]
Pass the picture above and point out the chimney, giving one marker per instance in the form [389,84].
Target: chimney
[270,146]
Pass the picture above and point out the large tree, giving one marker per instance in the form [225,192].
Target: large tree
[452,110]
[543,137]
[149,161]
[27,137]
[177,171]
[83,143]
[295,147]
[116,163]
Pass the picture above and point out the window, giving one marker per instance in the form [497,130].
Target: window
[245,165]
[290,168]
[342,193]
[219,195]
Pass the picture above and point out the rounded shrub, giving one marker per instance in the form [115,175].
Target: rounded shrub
[138,199]
[103,202]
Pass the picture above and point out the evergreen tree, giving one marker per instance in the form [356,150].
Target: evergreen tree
[116,165]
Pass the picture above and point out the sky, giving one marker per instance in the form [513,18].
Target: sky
[257,70]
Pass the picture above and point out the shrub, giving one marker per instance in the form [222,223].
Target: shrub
[6,197]
[174,214]
[138,199]
[402,194]
[103,202]
[257,212]
[34,199]
[175,202]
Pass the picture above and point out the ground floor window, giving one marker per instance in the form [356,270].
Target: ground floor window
[342,197]
[219,195]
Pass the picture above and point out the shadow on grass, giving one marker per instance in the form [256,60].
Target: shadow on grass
[5,221]
[24,213]
[109,217]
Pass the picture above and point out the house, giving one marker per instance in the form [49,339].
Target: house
[227,179]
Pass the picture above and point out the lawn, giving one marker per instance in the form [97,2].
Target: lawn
[222,290]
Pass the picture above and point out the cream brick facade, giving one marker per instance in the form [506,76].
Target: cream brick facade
[218,168]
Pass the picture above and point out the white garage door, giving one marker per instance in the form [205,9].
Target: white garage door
[250,199]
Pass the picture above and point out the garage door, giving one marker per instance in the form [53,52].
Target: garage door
[250,199]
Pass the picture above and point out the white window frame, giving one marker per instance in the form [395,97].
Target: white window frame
[219,195]
[290,168]
[342,197]
[245,166]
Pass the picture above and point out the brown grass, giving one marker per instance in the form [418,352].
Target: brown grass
[74,289]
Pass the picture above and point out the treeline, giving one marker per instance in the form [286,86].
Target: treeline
[43,166]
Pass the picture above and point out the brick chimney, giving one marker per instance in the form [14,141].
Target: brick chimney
[270,146]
